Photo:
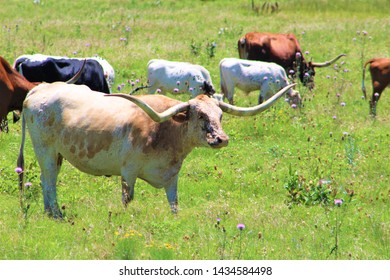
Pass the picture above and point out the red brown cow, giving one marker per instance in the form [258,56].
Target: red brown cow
[13,90]
[380,76]
[282,49]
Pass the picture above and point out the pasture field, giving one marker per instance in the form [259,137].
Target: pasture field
[280,173]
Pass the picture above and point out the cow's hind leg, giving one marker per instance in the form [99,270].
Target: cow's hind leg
[50,166]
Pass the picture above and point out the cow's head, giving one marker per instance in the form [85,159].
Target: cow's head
[307,70]
[202,115]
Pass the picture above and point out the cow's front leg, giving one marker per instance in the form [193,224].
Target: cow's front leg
[127,191]
[171,191]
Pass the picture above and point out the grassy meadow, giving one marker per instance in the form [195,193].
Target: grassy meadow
[281,172]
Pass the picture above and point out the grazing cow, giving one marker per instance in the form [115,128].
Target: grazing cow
[147,138]
[98,74]
[282,49]
[13,90]
[178,77]
[380,76]
[249,75]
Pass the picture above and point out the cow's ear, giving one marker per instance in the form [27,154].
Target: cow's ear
[181,117]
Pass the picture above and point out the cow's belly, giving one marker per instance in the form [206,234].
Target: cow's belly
[248,86]
[102,163]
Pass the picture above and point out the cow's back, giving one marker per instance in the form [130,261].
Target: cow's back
[54,69]
[95,133]
[269,47]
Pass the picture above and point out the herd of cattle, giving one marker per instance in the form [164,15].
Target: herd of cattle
[147,136]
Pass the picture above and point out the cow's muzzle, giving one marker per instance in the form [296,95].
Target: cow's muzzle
[218,141]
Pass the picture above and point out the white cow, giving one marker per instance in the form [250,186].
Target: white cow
[250,75]
[178,77]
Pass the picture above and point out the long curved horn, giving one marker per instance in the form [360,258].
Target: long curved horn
[327,63]
[157,117]
[78,74]
[251,111]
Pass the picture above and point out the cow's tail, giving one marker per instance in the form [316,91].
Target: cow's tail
[20,163]
[364,76]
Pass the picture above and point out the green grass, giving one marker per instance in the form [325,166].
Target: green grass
[242,183]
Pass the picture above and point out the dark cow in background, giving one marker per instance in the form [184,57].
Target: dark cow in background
[283,49]
[98,74]
[13,90]
[380,76]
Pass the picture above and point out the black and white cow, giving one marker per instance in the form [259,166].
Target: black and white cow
[98,74]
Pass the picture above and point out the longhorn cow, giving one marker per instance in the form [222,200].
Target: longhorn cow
[145,137]
[249,75]
[380,78]
[283,49]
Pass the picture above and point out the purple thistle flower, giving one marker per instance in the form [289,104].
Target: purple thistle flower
[18,170]
[291,71]
[338,94]
[376,94]
[294,106]
[137,81]
[176,90]
[327,76]
[178,82]
[218,220]
[158,90]
[132,84]
[240,226]
[334,117]
[265,78]
[298,55]
[191,89]
[119,87]
[28,184]
[306,52]
[342,104]
[338,202]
